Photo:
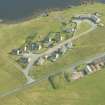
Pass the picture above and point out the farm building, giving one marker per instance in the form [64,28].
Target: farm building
[94,18]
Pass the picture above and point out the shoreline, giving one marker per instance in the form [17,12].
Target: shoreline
[37,15]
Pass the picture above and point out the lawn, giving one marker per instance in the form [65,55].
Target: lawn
[83,27]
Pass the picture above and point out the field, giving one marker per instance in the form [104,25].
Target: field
[14,35]
[87,91]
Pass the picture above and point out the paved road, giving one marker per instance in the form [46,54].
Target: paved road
[34,57]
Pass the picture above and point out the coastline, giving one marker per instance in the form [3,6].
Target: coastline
[37,15]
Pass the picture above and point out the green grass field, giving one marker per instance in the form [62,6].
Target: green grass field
[82,27]
[87,91]
[76,93]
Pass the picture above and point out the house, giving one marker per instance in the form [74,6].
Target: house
[69,45]
[93,68]
[98,67]
[40,61]
[45,14]
[35,46]
[53,37]
[58,37]
[48,44]
[50,37]
[62,50]
[25,48]
[69,30]
[101,24]
[88,69]
[53,57]
[17,51]
[96,64]
[47,39]
[81,17]
[95,19]
[77,75]
[47,56]
[24,60]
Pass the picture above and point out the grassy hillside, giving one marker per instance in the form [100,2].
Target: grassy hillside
[87,91]
[14,35]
